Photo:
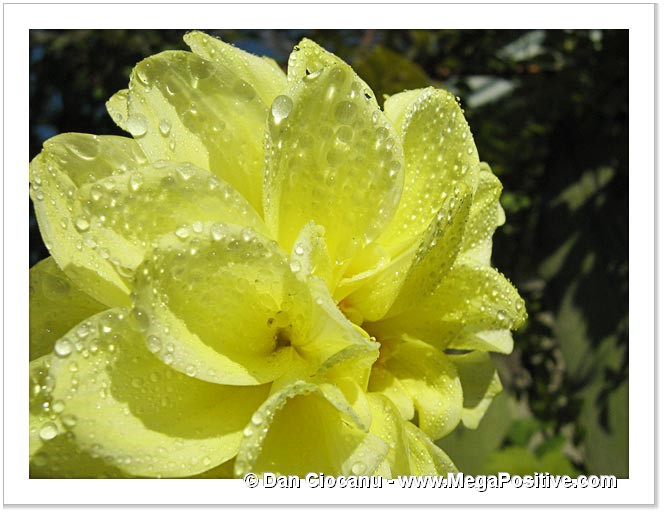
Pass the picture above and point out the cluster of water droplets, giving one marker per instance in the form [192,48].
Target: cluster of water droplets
[329,145]
[439,149]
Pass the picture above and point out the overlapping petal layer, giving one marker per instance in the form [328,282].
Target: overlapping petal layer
[272,274]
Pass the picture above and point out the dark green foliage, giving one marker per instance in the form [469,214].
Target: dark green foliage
[549,111]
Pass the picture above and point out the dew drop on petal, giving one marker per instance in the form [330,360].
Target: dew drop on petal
[358,468]
[69,420]
[164,127]
[63,348]
[244,91]
[281,108]
[82,224]
[48,431]
[345,112]
[137,125]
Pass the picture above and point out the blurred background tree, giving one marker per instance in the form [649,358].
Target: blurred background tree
[549,111]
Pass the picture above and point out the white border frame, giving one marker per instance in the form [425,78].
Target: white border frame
[19,18]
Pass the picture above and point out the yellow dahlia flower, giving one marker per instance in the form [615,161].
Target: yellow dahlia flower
[271,274]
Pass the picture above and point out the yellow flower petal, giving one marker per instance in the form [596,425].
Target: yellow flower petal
[426,458]
[388,425]
[297,431]
[123,404]
[432,381]
[439,149]
[308,58]
[117,107]
[263,76]
[56,305]
[384,382]
[53,451]
[223,303]
[486,215]
[469,310]
[328,147]
[126,212]
[417,272]
[67,163]
[480,383]
[188,109]
[227,308]
[310,254]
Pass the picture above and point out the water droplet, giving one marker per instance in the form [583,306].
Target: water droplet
[186,171]
[82,224]
[182,233]
[244,91]
[142,74]
[358,468]
[154,344]
[394,168]
[345,112]
[217,231]
[345,133]
[83,330]
[69,420]
[48,431]
[295,265]
[136,180]
[58,406]
[281,108]
[86,149]
[137,125]
[164,127]
[141,318]
[191,370]
[63,348]
[298,250]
